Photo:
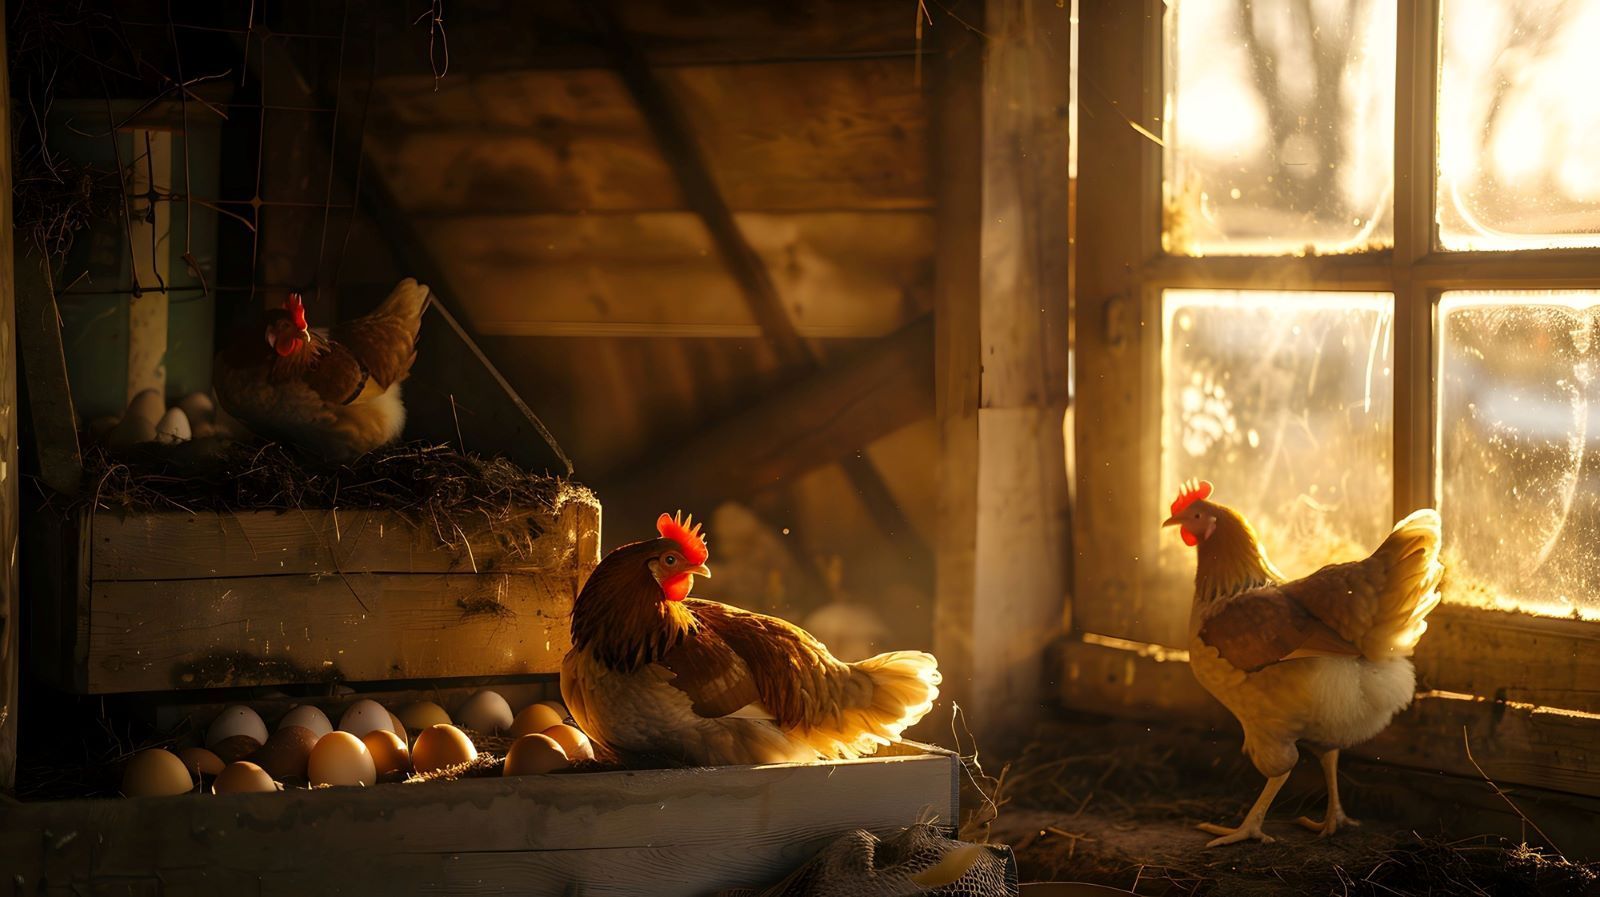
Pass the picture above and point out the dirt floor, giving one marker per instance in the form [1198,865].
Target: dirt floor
[1116,804]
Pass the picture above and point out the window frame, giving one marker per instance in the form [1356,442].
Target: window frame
[1470,652]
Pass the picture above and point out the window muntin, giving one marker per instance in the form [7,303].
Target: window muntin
[1284,401]
[1518,124]
[1279,127]
[1519,449]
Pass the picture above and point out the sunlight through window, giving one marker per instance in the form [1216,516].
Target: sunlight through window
[1284,401]
[1519,453]
[1518,124]
[1279,127]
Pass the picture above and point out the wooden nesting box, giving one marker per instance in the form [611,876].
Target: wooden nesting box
[172,600]
[666,833]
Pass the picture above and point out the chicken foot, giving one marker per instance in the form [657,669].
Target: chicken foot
[1335,817]
[1251,827]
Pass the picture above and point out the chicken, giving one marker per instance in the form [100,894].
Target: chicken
[1321,660]
[656,677]
[335,397]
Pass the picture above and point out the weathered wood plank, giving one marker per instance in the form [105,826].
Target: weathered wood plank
[793,137]
[10,597]
[53,422]
[206,633]
[489,36]
[839,274]
[175,545]
[1517,657]
[671,832]
[1516,743]
[1002,323]
[1116,448]
[790,431]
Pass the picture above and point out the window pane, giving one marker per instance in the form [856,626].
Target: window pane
[1279,127]
[1284,401]
[1518,124]
[1519,454]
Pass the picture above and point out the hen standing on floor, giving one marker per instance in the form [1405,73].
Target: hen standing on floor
[1321,660]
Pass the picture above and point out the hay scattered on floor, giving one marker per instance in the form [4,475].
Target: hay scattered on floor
[1116,804]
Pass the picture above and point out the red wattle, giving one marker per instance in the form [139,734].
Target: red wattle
[677,588]
[1189,539]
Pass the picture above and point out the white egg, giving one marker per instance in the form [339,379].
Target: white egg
[173,427]
[364,716]
[148,405]
[486,711]
[307,717]
[236,720]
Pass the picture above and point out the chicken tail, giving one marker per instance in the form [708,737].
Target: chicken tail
[889,693]
[406,303]
[1412,589]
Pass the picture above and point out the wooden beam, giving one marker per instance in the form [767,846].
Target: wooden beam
[818,420]
[498,417]
[675,137]
[10,600]
[1002,306]
[51,416]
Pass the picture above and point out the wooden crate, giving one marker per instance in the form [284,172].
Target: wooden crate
[666,833]
[172,600]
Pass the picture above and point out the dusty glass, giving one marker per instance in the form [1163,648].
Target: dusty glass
[1279,127]
[1519,449]
[1284,401]
[1519,121]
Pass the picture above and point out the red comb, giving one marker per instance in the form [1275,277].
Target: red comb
[1190,492]
[295,305]
[679,529]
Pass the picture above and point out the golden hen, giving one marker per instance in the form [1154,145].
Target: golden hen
[657,677]
[337,396]
[1321,660]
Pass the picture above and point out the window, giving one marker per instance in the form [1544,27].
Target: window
[1342,258]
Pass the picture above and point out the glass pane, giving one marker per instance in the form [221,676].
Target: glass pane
[1519,455]
[1518,124]
[1284,401]
[1279,127]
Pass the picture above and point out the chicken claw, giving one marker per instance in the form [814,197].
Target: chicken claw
[1335,821]
[1244,832]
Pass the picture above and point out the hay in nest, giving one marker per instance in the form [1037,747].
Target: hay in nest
[433,486]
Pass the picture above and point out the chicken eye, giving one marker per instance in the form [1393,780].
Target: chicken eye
[670,560]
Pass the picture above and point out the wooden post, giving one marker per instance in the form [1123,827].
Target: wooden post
[10,632]
[150,266]
[1001,317]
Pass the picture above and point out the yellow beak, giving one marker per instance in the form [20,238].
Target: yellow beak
[701,570]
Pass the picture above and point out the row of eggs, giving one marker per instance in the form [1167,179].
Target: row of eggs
[371,742]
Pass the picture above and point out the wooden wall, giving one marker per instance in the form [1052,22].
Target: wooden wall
[539,189]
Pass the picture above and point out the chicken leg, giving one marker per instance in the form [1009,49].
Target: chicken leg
[1335,817]
[1251,827]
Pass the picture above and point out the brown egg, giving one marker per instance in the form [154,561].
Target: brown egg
[439,746]
[243,777]
[341,759]
[399,728]
[533,755]
[573,743]
[235,748]
[286,752]
[559,708]
[155,773]
[533,719]
[388,751]
[200,761]
[419,715]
